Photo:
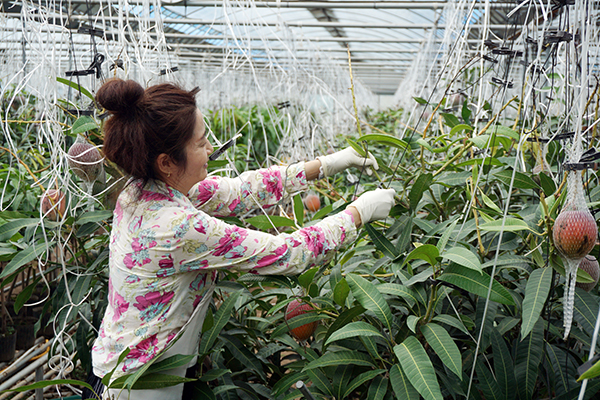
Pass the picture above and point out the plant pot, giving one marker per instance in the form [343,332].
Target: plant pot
[8,346]
[25,328]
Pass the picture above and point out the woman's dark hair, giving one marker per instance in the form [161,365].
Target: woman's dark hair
[146,123]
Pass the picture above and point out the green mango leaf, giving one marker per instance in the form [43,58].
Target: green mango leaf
[150,381]
[459,128]
[299,209]
[360,379]
[426,252]
[476,283]
[243,355]
[319,379]
[529,355]
[43,384]
[353,329]
[402,387]
[24,296]
[175,361]
[463,257]
[591,373]
[75,86]
[26,256]
[93,216]
[510,225]
[395,289]
[340,292]
[521,181]
[287,381]
[385,139]
[443,345]
[322,212]
[220,320]
[307,277]
[487,384]
[441,244]
[8,229]
[420,100]
[450,119]
[83,124]
[213,374]
[266,222]
[504,131]
[503,365]
[369,297]
[381,242]
[342,357]
[201,390]
[378,388]
[422,183]
[343,319]
[358,148]
[418,368]
[585,310]
[536,293]
[106,378]
[547,184]
[452,321]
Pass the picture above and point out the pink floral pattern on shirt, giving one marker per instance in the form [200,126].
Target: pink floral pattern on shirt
[166,248]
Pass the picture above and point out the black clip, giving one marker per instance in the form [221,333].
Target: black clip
[498,81]
[536,68]
[490,44]
[489,58]
[557,4]
[103,115]
[283,104]
[560,136]
[557,36]
[590,155]
[168,70]
[91,31]
[222,149]
[95,67]
[117,64]
[80,113]
[505,51]
[530,40]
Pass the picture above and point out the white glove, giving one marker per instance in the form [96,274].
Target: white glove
[375,204]
[339,161]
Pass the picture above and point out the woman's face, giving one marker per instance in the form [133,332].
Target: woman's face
[197,150]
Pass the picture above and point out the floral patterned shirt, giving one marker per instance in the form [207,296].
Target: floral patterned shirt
[166,247]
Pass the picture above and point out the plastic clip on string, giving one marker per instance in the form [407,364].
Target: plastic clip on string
[168,70]
[94,68]
[585,162]
[557,36]
[91,31]
[217,153]
[500,82]
[283,104]
[489,58]
[560,136]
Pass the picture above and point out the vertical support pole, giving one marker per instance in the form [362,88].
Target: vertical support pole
[39,376]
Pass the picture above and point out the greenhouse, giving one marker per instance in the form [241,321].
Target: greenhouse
[312,199]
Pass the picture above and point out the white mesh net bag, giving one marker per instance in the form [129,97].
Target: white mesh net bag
[574,236]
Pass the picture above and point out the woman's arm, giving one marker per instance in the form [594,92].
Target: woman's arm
[224,197]
[214,244]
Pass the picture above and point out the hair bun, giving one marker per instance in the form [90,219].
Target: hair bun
[119,96]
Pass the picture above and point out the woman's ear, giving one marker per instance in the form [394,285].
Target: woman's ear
[165,165]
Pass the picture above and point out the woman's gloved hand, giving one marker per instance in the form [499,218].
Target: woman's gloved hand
[339,161]
[374,205]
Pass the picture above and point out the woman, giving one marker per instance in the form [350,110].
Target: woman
[166,245]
